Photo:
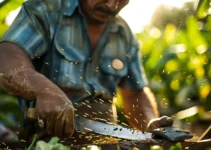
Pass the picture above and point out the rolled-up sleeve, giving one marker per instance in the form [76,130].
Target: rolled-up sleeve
[136,78]
[28,30]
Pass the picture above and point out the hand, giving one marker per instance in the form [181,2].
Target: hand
[159,122]
[57,112]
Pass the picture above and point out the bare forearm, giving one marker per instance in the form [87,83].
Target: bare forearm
[140,107]
[17,74]
[27,83]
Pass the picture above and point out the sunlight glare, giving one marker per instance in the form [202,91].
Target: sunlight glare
[138,13]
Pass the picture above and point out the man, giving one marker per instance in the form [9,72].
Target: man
[69,56]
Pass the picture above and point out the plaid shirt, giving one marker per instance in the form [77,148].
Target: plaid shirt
[54,35]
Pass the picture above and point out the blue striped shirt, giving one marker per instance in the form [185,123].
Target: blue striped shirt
[54,35]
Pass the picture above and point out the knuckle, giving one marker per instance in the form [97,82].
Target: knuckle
[69,133]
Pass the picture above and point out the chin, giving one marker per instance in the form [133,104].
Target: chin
[102,20]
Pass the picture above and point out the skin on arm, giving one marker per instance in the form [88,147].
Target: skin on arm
[18,77]
[141,107]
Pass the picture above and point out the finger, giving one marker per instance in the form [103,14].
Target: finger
[50,123]
[152,125]
[165,121]
[69,128]
[41,121]
[59,127]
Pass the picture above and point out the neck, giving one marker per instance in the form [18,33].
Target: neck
[96,27]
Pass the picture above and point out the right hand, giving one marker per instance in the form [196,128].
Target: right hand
[159,122]
[57,112]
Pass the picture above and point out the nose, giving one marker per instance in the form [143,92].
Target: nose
[112,4]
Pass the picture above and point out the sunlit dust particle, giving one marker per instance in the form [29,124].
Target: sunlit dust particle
[110,101]
[100,112]
[23,141]
[124,123]
[89,106]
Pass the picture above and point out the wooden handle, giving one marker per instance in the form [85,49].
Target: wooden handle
[31,114]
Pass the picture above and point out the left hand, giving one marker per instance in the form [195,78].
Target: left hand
[159,122]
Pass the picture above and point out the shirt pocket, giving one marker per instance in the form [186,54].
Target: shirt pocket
[107,66]
[69,61]
[70,52]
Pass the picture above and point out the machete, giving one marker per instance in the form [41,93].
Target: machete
[87,125]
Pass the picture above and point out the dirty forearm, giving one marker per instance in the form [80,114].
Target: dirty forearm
[17,74]
[24,82]
[140,107]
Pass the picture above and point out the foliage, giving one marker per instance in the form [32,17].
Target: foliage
[53,144]
[203,8]
[177,64]
[9,112]
[176,146]
[156,147]
[178,16]
[6,6]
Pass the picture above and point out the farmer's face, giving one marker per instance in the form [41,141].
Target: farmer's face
[101,11]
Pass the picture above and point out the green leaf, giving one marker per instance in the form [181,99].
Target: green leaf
[177,146]
[54,140]
[202,9]
[156,147]
[33,142]
[41,145]
[8,7]
[193,31]
[59,146]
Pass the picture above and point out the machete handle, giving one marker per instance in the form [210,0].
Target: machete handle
[31,114]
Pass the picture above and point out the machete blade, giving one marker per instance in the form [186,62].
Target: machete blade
[87,125]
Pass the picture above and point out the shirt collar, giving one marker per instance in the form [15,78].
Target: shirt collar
[70,6]
[116,24]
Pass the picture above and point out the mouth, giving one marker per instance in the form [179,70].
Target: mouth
[102,13]
[105,11]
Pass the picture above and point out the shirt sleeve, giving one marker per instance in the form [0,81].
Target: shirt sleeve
[136,78]
[29,30]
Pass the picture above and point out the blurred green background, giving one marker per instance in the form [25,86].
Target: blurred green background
[175,50]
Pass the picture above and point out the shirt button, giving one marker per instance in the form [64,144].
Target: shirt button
[117,64]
